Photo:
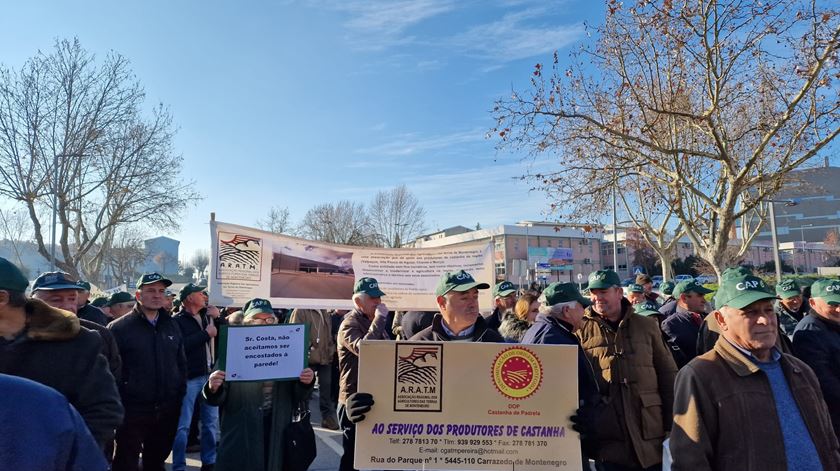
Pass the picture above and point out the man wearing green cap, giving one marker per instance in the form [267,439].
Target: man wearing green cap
[636,294]
[561,313]
[682,328]
[744,405]
[120,304]
[459,319]
[669,303]
[504,300]
[85,310]
[154,377]
[635,372]
[367,321]
[789,307]
[196,321]
[710,330]
[48,345]
[816,341]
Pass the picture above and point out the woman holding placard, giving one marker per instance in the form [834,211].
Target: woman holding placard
[254,414]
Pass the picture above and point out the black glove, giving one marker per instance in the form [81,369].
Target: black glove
[357,404]
[584,422]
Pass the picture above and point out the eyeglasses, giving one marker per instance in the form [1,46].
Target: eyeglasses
[263,320]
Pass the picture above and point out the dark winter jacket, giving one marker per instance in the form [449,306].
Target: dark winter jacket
[196,339]
[816,341]
[154,372]
[680,331]
[110,350]
[668,307]
[787,319]
[415,321]
[93,314]
[547,330]
[435,332]
[55,351]
[42,431]
[494,319]
[513,328]
[354,328]
[635,371]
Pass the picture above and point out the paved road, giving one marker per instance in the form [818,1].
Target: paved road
[328,442]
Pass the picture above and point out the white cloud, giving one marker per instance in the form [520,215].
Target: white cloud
[515,37]
[376,25]
[410,144]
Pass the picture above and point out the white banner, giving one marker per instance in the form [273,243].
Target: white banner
[248,263]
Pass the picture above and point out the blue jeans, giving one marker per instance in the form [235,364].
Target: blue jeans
[209,427]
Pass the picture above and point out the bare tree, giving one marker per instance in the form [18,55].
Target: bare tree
[199,261]
[73,139]
[277,221]
[125,258]
[16,229]
[715,102]
[345,222]
[396,216]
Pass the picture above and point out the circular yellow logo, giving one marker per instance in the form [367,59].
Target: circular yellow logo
[517,372]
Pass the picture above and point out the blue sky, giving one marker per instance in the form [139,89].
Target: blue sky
[295,103]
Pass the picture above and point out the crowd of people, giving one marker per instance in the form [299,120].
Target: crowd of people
[749,381]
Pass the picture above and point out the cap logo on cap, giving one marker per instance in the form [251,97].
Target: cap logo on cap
[153,276]
[373,285]
[463,276]
[833,287]
[749,284]
[259,303]
[598,276]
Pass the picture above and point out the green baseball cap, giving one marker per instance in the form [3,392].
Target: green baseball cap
[739,291]
[11,278]
[647,308]
[258,306]
[503,289]
[603,279]
[189,289]
[457,281]
[689,286]
[369,286]
[149,278]
[557,293]
[636,288]
[788,289]
[828,290]
[101,301]
[667,287]
[120,297]
[83,285]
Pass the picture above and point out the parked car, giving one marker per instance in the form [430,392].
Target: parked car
[706,278]
[681,278]
[657,280]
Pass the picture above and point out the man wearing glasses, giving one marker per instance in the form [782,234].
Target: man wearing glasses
[154,377]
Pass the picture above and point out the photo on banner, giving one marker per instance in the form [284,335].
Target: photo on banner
[468,406]
[263,352]
[246,263]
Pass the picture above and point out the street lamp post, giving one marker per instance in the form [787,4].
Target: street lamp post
[775,237]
